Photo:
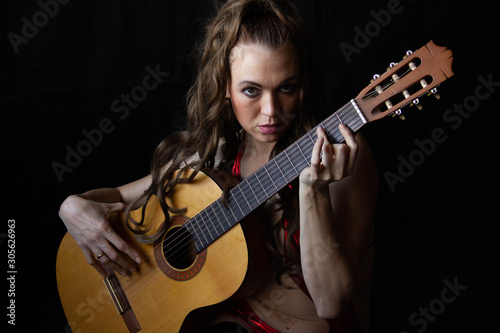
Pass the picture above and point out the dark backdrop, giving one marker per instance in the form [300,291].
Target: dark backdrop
[68,66]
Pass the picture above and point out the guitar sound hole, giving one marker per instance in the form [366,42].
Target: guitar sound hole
[179,248]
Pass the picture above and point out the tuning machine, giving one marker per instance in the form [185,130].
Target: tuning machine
[391,65]
[408,53]
[375,77]
[434,92]
[398,113]
[416,102]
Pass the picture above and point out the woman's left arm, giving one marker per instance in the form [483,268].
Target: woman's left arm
[337,197]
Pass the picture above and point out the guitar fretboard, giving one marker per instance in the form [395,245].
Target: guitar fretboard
[217,218]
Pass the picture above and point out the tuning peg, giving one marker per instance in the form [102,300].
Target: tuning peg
[391,65]
[434,93]
[408,53]
[400,114]
[375,77]
[416,102]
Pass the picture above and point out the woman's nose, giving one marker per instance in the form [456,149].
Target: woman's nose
[270,105]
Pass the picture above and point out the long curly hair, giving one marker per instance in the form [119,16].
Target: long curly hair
[210,119]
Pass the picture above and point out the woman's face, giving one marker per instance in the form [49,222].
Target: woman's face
[264,89]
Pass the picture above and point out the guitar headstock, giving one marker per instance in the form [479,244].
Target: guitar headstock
[403,83]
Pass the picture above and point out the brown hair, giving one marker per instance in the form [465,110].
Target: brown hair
[273,23]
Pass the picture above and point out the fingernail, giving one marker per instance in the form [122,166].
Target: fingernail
[138,260]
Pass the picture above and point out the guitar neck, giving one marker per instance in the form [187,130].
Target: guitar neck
[257,188]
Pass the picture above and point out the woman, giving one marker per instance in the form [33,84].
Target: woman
[253,96]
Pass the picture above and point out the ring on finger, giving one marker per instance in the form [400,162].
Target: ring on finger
[100,255]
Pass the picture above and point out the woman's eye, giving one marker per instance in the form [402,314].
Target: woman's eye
[251,92]
[288,88]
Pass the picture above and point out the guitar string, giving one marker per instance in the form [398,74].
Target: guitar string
[295,153]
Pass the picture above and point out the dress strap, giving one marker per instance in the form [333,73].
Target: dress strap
[236,171]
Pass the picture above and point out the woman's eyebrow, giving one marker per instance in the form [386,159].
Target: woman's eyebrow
[247,82]
[242,83]
[292,78]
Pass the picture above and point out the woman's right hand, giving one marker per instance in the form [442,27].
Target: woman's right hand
[87,221]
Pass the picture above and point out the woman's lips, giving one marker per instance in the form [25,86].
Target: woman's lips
[269,129]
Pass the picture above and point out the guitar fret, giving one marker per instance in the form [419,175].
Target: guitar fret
[244,197]
[200,229]
[295,156]
[217,216]
[210,220]
[239,207]
[278,177]
[291,163]
[263,195]
[338,117]
[270,178]
[222,210]
[212,217]
[232,213]
[206,225]
[278,167]
[283,163]
[310,137]
[305,158]
[251,189]
[257,176]
[200,244]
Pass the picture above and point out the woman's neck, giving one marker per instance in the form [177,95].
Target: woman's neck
[256,154]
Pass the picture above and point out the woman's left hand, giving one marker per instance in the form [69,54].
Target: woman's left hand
[330,162]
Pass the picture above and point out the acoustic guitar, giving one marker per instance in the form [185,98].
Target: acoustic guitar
[207,256]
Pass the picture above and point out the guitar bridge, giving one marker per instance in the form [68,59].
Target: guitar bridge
[121,303]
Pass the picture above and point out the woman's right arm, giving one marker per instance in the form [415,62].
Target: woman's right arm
[86,218]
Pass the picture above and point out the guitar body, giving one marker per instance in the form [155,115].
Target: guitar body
[166,290]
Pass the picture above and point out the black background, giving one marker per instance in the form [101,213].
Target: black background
[440,223]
